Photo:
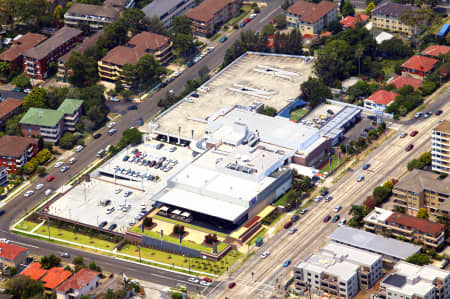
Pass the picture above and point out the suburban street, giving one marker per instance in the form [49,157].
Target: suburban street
[388,161]
[149,107]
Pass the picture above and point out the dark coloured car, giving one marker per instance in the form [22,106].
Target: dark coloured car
[159,146]
[112,226]
[103,224]
[414,133]
[295,218]
[409,147]
[327,218]
[195,95]
[330,111]
[2,212]
[152,163]
[438,112]
[125,158]
[97,136]
[325,192]
[231,285]
[287,224]
[132,107]
[372,117]
[366,166]
[335,218]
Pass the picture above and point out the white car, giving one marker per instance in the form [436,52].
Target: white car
[337,208]
[193,279]
[205,283]
[39,187]
[3,240]
[318,198]
[48,192]
[118,190]
[27,90]
[342,222]
[79,148]
[110,210]
[132,222]
[59,164]
[29,193]
[111,125]
[64,169]
[265,254]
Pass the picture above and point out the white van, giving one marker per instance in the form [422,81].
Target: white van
[48,192]
[72,160]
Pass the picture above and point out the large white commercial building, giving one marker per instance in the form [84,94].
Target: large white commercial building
[415,282]
[338,270]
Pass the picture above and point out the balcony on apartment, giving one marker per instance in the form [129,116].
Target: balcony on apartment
[50,132]
[329,278]
[21,161]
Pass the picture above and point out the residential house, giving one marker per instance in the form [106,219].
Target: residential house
[3,176]
[387,16]
[12,255]
[51,278]
[410,281]
[380,100]
[110,67]
[436,50]
[15,151]
[71,108]
[400,81]
[8,109]
[211,14]
[351,22]
[14,54]
[37,59]
[63,74]
[311,18]
[34,271]
[406,227]
[422,189]
[96,16]
[338,270]
[440,150]
[166,10]
[418,66]
[81,283]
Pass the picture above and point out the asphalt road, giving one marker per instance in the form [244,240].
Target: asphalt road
[17,207]
[12,94]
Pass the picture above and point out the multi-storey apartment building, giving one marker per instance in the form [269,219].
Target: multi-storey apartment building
[211,14]
[410,281]
[3,176]
[440,149]
[422,189]
[96,16]
[9,108]
[15,151]
[387,16]
[406,227]
[36,60]
[339,270]
[166,10]
[110,67]
[14,54]
[311,18]
[71,108]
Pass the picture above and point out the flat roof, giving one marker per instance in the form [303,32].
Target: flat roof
[355,255]
[42,117]
[160,7]
[373,242]
[378,215]
[335,126]
[273,80]
[69,106]
[444,126]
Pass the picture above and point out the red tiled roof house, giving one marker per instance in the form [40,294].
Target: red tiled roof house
[380,99]
[9,108]
[15,151]
[14,54]
[351,22]
[418,66]
[81,283]
[400,81]
[12,255]
[34,271]
[51,278]
[436,50]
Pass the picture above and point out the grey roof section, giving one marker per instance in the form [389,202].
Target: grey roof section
[60,37]
[420,180]
[392,9]
[374,243]
[395,280]
[336,125]
[81,48]
[78,9]
[160,7]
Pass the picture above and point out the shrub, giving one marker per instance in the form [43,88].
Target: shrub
[211,239]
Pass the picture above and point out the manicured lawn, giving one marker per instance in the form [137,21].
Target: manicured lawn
[245,9]
[260,234]
[388,65]
[27,225]
[334,163]
[190,244]
[297,114]
[281,201]
[75,237]
[177,260]
[190,225]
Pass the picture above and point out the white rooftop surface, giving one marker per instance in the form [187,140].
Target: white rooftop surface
[325,262]
[378,215]
[383,36]
[274,91]
[427,272]
[359,256]
[304,170]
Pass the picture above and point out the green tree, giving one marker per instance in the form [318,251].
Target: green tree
[135,19]
[380,194]
[419,259]
[269,111]
[280,21]
[369,8]
[93,266]
[156,26]
[422,213]
[130,136]
[12,126]
[82,70]
[347,9]
[425,158]
[285,5]
[21,81]
[395,48]
[268,29]
[148,71]
[182,38]
[36,98]
[67,140]
[314,91]
[203,73]
[58,13]
[288,43]
[41,171]
[331,63]
[78,261]
[4,68]
[335,26]
[43,156]
[50,261]
[22,286]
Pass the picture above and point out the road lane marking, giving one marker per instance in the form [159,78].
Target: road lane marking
[268,15]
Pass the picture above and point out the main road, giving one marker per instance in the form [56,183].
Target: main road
[387,161]
[17,207]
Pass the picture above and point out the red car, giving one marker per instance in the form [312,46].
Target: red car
[231,285]
[271,22]
[327,218]
[207,279]
[247,20]
[414,133]
[50,178]
[409,147]
[288,224]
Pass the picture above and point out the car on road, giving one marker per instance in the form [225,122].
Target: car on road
[287,224]
[27,90]
[286,263]
[335,218]
[428,114]
[292,230]
[329,111]
[337,208]
[3,240]
[205,283]
[127,193]
[366,166]
[112,131]
[48,192]
[418,115]
[50,178]
[342,222]
[132,107]
[231,285]
[414,133]
[438,112]
[409,147]
[193,280]
[59,164]
[2,212]
[118,190]
[207,279]
[103,224]
[112,226]
[65,254]
[110,210]
[159,146]
[324,192]
[303,211]
[327,218]
[318,198]
[223,39]
[97,136]
[242,25]
[17,89]
[39,186]
[265,254]
[111,125]
[28,193]
[328,198]
[79,148]
[295,218]
[64,168]
[360,178]
[403,135]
